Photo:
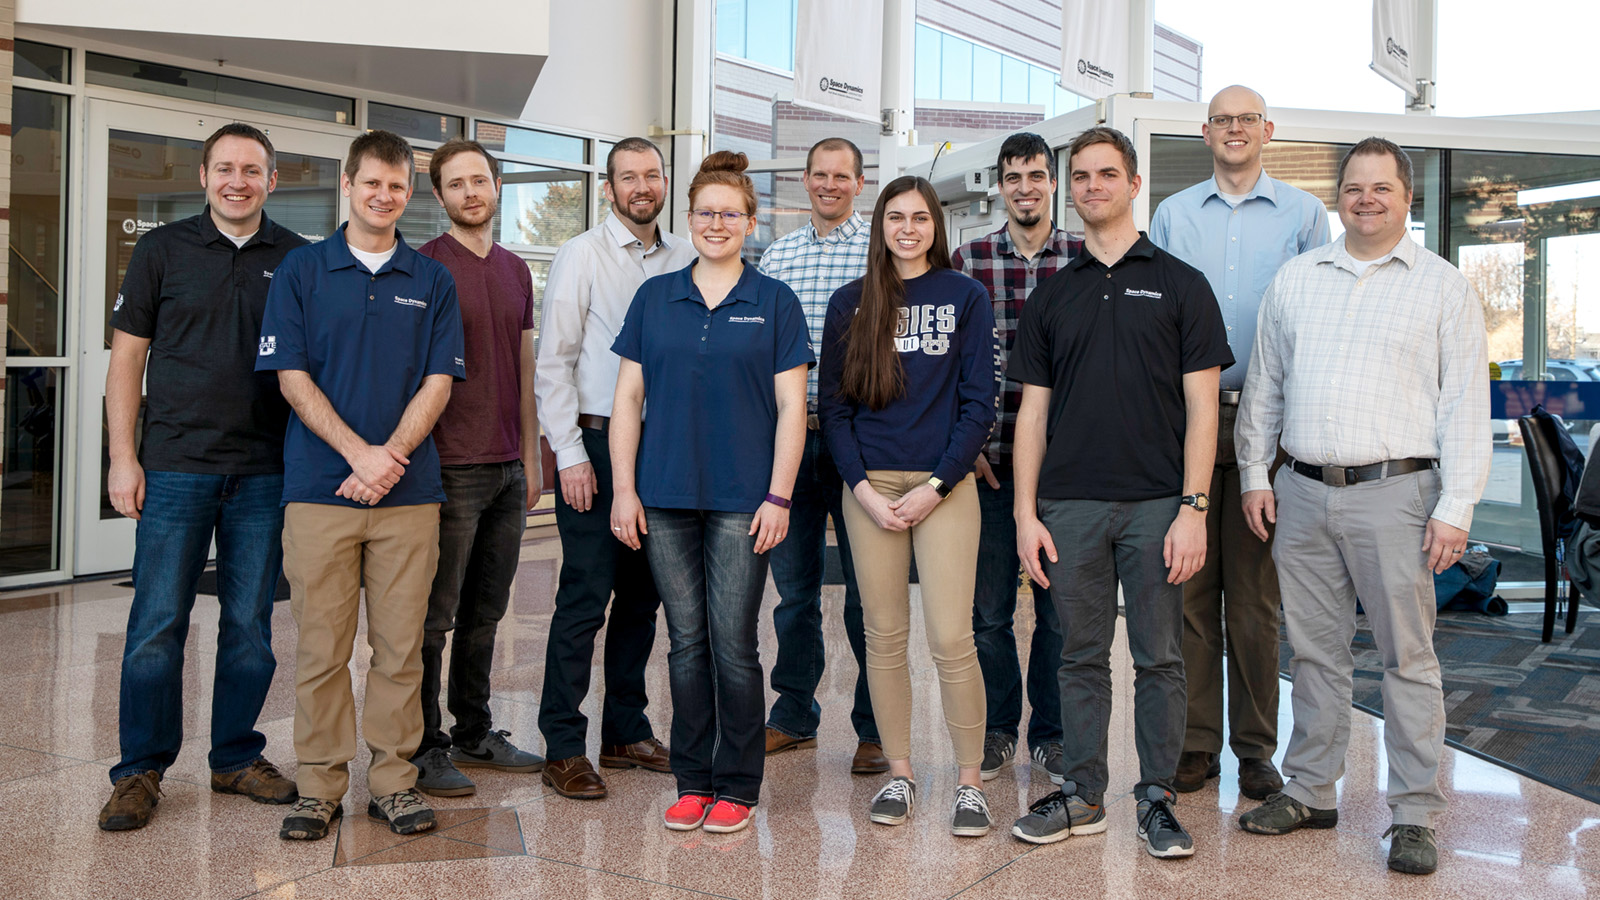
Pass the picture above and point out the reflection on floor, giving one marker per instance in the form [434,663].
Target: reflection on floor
[1504,836]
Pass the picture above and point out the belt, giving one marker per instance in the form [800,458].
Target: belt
[598,423]
[813,423]
[1230,398]
[1340,476]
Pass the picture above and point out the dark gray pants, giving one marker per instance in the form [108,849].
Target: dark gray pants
[1101,544]
[1334,544]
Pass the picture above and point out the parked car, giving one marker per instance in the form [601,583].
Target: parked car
[1506,432]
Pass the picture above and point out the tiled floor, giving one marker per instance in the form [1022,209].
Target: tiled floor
[1504,836]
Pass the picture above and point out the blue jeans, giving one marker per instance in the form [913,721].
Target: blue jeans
[480,545]
[1102,543]
[711,580]
[994,604]
[797,571]
[181,513]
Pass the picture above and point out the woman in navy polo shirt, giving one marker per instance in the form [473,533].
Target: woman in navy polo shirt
[719,352]
[906,395]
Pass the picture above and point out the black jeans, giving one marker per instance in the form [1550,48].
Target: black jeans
[480,543]
[711,581]
[593,564]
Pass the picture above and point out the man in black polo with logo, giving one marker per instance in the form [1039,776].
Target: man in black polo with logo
[210,464]
[1119,355]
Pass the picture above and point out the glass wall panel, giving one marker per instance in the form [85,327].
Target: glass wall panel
[45,62]
[415,123]
[985,75]
[783,205]
[528,142]
[1014,80]
[28,490]
[955,69]
[540,206]
[37,271]
[209,87]
[730,27]
[929,54]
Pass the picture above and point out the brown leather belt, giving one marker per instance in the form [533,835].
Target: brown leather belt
[1342,476]
[598,423]
[813,423]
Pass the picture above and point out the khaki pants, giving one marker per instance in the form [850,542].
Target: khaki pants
[947,558]
[327,552]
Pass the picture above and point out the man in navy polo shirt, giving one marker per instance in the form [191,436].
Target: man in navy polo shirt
[1119,356]
[366,337]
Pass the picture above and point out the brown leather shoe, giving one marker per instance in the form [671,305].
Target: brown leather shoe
[777,742]
[869,760]
[133,798]
[1259,778]
[646,754]
[1195,767]
[260,781]
[574,778]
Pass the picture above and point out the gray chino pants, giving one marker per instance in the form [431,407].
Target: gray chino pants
[1332,545]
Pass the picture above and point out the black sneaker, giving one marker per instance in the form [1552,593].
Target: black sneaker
[1047,759]
[496,752]
[1159,827]
[970,818]
[999,749]
[893,803]
[438,776]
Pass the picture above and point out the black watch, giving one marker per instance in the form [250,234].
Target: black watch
[1198,501]
[941,486]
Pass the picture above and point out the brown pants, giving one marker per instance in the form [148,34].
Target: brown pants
[1232,603]
[328,551]
[946,543]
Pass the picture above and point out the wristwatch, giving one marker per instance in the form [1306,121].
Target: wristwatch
[1198,501]
[941,486]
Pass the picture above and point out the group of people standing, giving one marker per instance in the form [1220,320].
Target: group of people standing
[1123,409]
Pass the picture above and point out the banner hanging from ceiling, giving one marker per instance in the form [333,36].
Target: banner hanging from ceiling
[1394,27]
[838,53]
[1094,47]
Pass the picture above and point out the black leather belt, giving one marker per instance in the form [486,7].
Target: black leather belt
[813,423]
[1230,398]
[597,423]
[1342,476]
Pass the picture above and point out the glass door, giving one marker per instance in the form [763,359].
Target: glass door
[143,172]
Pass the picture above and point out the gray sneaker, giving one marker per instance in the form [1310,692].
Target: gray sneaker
[970,817]
[1414,850]
[405,812]
[1282,814]
[893,803]
[1058,815]
[1048,759]
[1159,827]
[999,749]
[495,752]
[438,776]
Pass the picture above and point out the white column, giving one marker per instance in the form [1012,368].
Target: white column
[689,114]
[1141,46]
[899,83]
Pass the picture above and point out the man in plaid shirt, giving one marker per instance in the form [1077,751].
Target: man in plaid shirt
[826,253]
[1011,262]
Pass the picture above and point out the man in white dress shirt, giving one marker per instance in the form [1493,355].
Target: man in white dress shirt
[1371,366]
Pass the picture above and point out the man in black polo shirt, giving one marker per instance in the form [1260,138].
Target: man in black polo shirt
[1119,355]
[211,464]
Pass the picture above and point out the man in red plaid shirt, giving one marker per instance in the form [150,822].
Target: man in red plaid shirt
[1011,262]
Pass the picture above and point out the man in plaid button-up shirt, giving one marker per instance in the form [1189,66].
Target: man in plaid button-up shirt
[1010,263]
[816,259]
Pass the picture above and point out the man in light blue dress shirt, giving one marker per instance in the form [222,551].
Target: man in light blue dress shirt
[1238,227]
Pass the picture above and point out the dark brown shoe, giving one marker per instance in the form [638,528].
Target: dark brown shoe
[777,742]
[574,778]
[1259,778]
[869,760]
[133,798]
[646,754]
[1195,767]
[260,781]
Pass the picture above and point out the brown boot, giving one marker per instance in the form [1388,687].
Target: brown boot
[1195,767]
[133,798]
[646,754]
[260,781]
[777,741]
[869,760]
[574,778]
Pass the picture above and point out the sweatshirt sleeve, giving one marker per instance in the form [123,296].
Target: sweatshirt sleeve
[976,389]
[833,412]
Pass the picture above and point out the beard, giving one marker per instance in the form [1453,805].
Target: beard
[479,218]
[625,210]
[1027,220]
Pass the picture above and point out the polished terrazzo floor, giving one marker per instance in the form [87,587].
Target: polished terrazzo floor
[1504,836]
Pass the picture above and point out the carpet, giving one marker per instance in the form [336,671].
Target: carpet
[1526,705]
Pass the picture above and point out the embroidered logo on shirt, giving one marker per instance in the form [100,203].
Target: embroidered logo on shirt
[266,273]
[269,344]
[1153,295]
[747,320]
[118,304]
[461,362]
[926,328]
[407,301]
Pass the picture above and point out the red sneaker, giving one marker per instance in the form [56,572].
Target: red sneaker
[688,812]
[727,817]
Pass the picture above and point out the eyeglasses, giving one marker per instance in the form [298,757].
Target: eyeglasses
[1248,120]
[704,217]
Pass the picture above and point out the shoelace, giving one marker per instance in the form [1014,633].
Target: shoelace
[1048,804]
[1159,815]
[307,804]
[498,738]
[267,770]
[898,789]
[128,785]
[404,800]
[969,797]
[1407,836]
[996,741]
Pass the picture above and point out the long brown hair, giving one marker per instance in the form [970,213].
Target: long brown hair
[872,373]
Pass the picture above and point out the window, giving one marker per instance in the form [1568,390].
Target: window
[761,31]
[500,138]
[209,87]
[44,62]
[415,123]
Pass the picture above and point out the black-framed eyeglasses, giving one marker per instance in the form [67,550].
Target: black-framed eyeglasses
[706,216]
[1248,120]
